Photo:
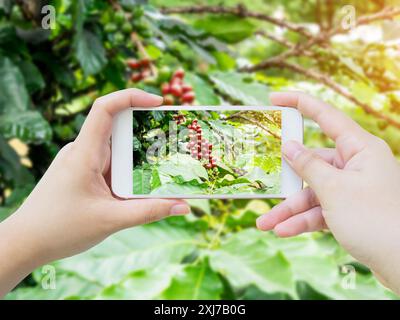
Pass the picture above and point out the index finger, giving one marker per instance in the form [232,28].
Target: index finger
[333,122]
[96,130]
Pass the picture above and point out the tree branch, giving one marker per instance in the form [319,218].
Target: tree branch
[326,80]
[31,9]
[298,49]
[387,13]
[239,11]
[286,43]
[294,50]
[282,41]
[241,116]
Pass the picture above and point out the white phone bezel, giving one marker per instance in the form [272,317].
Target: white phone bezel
[122,155]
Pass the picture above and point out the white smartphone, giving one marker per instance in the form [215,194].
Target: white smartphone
[204,152]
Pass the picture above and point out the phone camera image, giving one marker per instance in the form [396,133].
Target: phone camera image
[206,152]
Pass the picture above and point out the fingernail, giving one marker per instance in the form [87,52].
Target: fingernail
[179,209]
[259,222]
[157,97]
[292,149]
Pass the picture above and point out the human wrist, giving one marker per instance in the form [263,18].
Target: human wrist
[19,253]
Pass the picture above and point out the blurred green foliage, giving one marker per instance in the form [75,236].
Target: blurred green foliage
[49,78]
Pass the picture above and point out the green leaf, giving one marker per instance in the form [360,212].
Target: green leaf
[80,12]
[314,259]
[11,168]
[201,205]
[67,286]
[246,217]
[158,115]
[140,248]
[13,94]
[10,44]
[244,259]
[363,92]
[236,86]
[76,105]
[155,179]
[195,282]
[171,281]
[199,50]
[136,144]
[6,211]
[18,194]
[29,126]
[131,4]
[6,6]
[365,287]
[114,73]
[259,175]
[141,181]
[229,180]
[90,52]
[204,92]
[184,167]
[33,78]
[230,29]
[224,60]
[142,284]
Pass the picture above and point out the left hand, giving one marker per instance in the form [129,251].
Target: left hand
[72,207]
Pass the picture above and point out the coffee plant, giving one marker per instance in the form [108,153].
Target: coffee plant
[227,52]
[221,152]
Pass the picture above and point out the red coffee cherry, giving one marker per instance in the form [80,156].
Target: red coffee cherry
[165,88]
[145,62]
[133,64]
[176,90]
[176,81]
[136,77]
[180,73]
[168,100]
[186,87]
[188,97]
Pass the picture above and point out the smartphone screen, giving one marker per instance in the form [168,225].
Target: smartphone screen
[206,152]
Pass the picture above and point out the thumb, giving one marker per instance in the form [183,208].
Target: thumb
[135,212]
[308,165]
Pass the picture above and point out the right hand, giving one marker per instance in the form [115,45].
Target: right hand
[354,190]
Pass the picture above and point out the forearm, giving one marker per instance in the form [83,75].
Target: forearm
[389,273]
[18,253]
